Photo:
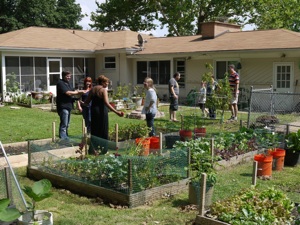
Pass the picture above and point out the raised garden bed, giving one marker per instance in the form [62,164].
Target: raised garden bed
[126,180]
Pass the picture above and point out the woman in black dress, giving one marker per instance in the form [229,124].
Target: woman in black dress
[99,113]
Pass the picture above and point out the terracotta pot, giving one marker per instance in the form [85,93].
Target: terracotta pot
[278,158]
[200,132]
[185,135]
[264,167]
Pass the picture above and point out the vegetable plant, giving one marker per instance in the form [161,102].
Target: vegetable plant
[254,206]
[8,214]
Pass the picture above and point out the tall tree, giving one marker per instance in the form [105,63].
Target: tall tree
[7,20]
[17,14]
[276,14]
[184,17]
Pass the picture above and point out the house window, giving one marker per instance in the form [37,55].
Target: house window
[221,68]
[283,77]
[110,62]
[180,67]
[159,71]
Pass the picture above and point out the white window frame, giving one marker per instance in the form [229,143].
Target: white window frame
[275,65]
[110,63]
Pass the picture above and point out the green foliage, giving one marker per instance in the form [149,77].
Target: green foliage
[130,131]
[123,91]
[51,13]
[39,191]
[201,159]
[276,14]
[8,214]
[185,17]
[251,206]
[12,85]
[293,141]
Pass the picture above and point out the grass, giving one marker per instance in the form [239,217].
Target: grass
[33,123]
[71,209]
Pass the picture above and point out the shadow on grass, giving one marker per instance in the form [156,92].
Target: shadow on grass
[246,174]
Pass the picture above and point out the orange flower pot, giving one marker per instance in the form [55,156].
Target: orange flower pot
[154,145]
[278,158]
[200,132]
[185,135]
[264,167]
[145,144]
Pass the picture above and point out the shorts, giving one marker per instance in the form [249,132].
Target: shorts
[173,104]
[235,99]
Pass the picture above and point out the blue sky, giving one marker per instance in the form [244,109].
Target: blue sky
[88,6]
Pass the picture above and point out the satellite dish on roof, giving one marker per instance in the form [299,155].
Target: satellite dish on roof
[140,40]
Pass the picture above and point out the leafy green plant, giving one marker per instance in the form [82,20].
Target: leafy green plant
[8,214]
[293,141]
[201,159]
[123,91]
[130,131]
[188,122]
[252,206]
[39,191]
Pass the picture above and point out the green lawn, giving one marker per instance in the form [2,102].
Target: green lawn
[70,209]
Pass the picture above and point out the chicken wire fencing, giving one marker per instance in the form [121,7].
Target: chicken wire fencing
[124,169]
[9,185]
[273,110]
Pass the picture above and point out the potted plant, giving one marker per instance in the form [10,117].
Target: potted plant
[201,162]
[39,191]
[292,157]
[186,132]
[7,213]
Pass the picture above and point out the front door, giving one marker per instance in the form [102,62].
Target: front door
[54,74]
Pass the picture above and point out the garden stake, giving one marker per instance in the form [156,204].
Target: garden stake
[53,131]
[160,143]
[130,175]
[254,173]
[29,154]
[8,185]
[212,148]
[188,172]
[117,131]
[202,194]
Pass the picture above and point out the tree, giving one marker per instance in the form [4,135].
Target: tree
[17,14]
[276,14]
[184,17]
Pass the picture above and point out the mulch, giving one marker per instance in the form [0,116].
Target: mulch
[14,150]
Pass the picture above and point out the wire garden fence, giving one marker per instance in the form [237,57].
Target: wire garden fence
[274,110]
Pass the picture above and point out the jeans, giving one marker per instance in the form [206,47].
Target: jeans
[150,123]
[64,116]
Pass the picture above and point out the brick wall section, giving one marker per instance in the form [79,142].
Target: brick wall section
[212,29]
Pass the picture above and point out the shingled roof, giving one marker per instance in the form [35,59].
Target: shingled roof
[42,38]
[66,39]
[228,41]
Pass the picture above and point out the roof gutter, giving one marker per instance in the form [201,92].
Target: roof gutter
[44,50]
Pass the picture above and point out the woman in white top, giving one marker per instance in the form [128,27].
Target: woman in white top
[150,108]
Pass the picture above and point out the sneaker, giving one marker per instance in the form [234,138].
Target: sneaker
[234,118]
[231,118]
